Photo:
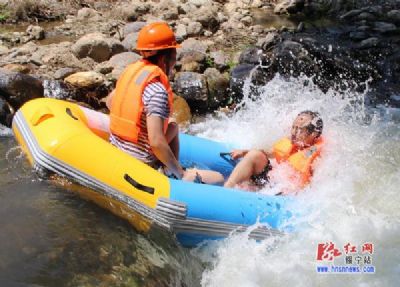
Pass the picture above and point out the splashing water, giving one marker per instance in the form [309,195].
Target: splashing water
[353,197]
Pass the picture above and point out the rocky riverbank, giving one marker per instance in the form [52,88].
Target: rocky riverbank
[80,56]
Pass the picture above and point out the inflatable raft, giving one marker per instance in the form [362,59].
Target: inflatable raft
[72,141]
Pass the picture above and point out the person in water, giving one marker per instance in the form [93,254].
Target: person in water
[141,106]
[294,158]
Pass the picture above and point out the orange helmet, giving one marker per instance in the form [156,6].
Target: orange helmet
[156,36]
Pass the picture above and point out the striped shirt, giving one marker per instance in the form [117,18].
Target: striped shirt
[155,102]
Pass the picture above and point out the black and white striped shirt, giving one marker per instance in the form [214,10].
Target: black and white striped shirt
[155,102]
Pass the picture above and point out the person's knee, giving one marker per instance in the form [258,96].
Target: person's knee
[258,160]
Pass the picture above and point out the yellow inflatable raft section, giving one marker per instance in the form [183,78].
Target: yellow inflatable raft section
[73,141]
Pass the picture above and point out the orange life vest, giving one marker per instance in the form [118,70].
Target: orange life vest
[127,104]
[300,160]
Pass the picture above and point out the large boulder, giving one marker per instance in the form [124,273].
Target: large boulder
[121,61]
[129,41]
[18,88]
[193,88]
[181,110]
[217,87]
[288,6]
[208,18]
[97,46]
[89,79]
[133,27]
[35,32]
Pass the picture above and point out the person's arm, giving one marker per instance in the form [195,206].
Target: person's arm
[109,99]
[160,147]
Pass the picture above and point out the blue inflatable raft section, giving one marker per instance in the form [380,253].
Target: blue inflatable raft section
[216,203]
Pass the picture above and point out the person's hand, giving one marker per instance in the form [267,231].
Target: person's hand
[238,153]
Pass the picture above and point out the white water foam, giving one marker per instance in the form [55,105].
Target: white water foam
[353,197]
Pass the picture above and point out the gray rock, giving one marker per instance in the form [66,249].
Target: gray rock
[269,41]
[94,46]
[3,50]
[369,43]
[351,14]
[358,35]
[121,61]
[220,60]
[181,33]
[35,32]
[129,42]
[133,27]
[207,17]
[394,15]
[193,45]
[384,27]
[87,13]
[194,29]
[193,88]
[217,87]
[18,88]
[365,16]
[251,56]
[288,6]
[247,20]
[62,73]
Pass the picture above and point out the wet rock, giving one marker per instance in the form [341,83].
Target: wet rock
[6,113]
[85,79]
[129,42]
[60,90]
[358,35]
[394,15]
[181,110]
[369,43]
[87,13]
[365,16]
[217,87]
[35,32]
[269,41]
[96,46]
[237,78]
[288,6]
[62,73]
[251,56]
[18,88]
[350,14]
[133,27]
[24,69]
[193,88]
[384,27]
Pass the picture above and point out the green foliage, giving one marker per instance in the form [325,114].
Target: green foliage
[4,13]
[209,62]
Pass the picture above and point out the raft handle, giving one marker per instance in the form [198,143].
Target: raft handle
[69,112]
[138,185]
[227,156]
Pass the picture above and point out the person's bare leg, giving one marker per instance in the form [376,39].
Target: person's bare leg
[253,163]
[207,176]
[172,136]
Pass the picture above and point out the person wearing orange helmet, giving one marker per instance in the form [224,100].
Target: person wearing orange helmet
[141,106]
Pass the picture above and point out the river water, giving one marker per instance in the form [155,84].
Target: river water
[50,237]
